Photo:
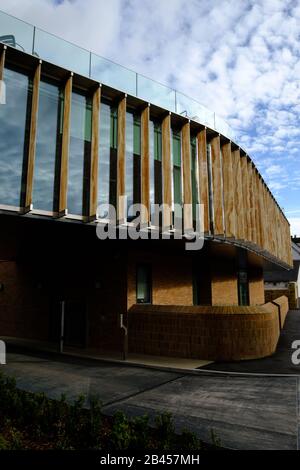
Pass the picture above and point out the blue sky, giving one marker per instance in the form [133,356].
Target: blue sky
[240,58]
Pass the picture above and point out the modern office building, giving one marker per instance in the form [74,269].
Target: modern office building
[78,131]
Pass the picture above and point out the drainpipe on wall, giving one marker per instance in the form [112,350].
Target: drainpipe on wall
[62,327]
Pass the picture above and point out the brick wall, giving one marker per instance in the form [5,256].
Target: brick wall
[213,333]
[172,281]
[271,294]
[223,275]
[24,308]
[256,285]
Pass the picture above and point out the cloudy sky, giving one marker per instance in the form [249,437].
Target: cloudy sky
[240,58]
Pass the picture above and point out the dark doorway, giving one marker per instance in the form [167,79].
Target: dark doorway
[74,322]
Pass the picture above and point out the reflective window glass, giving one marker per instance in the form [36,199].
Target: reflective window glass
[14,135]
[48,146]
[133,161]
[107,175]
[79,155]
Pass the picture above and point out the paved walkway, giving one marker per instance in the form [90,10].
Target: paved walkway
[244,412]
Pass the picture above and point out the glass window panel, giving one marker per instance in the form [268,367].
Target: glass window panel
[176,158]
[155,164]
[79,155]
[113,75]
[14,134]
[48,146]
[143,284]
[107,175]
[61,52]
[243,288]
[16,33]
[156,93]
[133,161]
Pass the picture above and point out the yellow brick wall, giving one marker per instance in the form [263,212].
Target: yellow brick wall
[213,333]
[172,282]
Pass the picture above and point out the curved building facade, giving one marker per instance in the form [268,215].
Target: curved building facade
[69,146]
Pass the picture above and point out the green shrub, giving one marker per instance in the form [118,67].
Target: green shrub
[61,425]
[165,430]
[121,434]
[4,445]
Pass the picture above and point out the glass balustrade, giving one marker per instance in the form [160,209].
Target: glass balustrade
[16,33]
[60,52]
[112,74]
[193,110]
[23,36]
[155,93]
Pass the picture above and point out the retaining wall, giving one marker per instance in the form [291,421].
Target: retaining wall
[222,333]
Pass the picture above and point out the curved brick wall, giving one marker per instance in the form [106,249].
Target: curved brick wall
[214,333]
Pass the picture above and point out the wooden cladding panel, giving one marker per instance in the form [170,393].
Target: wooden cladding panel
[2,62]
[238,194]
[187,179]
[228,188]
[253,228]
[257,209]
[121,157]
[145,163]
[266,208]
[27,199]
[246,197]
[93,187]
[203,178]
[63,186]
[166,171]
[217,186]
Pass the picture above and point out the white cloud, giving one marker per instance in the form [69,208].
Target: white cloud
[240,59]
[295,225]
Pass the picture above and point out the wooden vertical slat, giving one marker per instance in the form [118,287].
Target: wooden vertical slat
[2,61]
[187,177]
[217,186]
[121,156]
[271,218]
[63,185]
[257,209]
[228,186]
[246,197]
[93,184]
[166,170]
[27,197]
[271,227]
[266,218]
[275,231]
[238,194]
[252,203]
[145,166]
[203,178]
[262,213]
[279,238]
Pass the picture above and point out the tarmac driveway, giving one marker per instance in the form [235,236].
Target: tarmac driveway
[254,412]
